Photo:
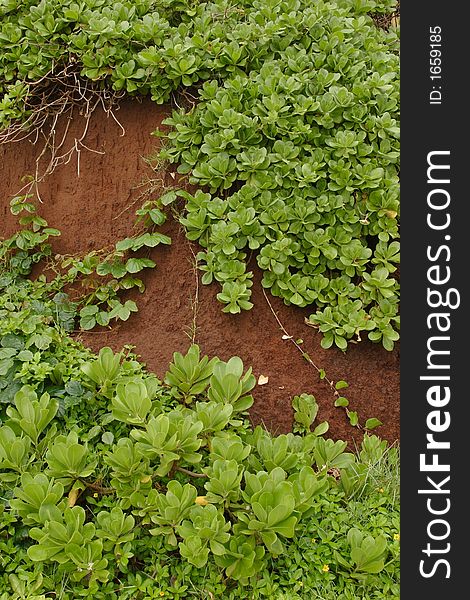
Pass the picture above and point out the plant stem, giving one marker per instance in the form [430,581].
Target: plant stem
[190,473]
[98,488]
[291,339]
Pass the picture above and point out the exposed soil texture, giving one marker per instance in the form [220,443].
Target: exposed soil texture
[94,206]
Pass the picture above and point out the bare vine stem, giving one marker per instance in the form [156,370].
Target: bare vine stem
[150,185]
[195,300]
[294,342]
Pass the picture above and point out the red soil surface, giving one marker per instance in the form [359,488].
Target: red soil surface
[95,207]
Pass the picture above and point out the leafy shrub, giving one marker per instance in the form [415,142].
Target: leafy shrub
[116,484]
[294,137]
[233,514]
[299,155]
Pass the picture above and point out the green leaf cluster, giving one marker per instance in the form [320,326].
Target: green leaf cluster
[175,478]
[302,170]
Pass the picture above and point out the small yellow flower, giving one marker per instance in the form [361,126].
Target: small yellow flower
[162,593]
[95,495]
[325,568]
[396,537]
[381,490]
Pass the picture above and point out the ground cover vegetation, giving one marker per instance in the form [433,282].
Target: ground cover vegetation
[115,484]
[288,124]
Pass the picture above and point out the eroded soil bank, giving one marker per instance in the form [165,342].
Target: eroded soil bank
[92,200]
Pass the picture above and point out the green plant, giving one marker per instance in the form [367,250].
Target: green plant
[131,403]
[31,415]
[104,371]
[367,553]
[68,540]
[168,510]
[68,460]
[228,385]
[189,375]
[37,497]
[100,302]
[28,246]
[249,502]
[242,559]
[204,531]
[305,412]
[224,483]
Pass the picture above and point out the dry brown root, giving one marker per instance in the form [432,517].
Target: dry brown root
[52,98]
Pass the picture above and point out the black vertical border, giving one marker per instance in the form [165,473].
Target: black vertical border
[426,128]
